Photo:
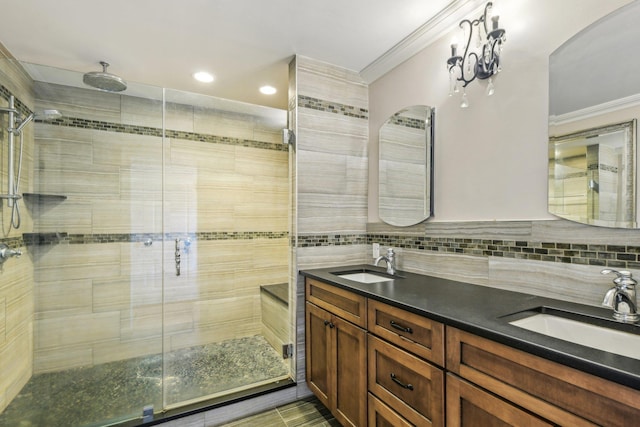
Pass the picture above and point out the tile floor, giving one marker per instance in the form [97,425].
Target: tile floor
[307,412]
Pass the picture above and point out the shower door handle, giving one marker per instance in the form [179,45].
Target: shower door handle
[177,257]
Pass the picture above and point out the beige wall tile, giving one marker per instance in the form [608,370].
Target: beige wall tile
[63,298]
[83,329]
[61,358]
[78,102]
[113,350]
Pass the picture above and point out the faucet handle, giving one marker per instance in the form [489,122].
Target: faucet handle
[623,277]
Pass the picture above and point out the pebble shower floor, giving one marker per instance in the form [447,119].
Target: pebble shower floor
[103,394]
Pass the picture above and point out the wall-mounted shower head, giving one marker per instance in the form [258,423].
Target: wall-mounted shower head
[103,80]
[48,115]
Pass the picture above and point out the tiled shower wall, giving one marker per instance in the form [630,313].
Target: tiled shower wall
[16,274]
[99,279]
[330,105]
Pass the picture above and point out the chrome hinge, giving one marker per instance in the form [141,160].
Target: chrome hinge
[287,351]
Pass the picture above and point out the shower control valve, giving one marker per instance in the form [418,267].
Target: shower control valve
[6,252]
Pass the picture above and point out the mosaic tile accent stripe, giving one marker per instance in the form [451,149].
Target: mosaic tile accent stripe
[331,240]
[332,107]
[407,122]
[616,256]
[19,105]
[152,131]
[201,137]
[79,239]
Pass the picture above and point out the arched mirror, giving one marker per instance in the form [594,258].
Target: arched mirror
[594,103]
[405,193]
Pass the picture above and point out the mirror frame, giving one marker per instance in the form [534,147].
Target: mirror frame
[626,216]
[428,124]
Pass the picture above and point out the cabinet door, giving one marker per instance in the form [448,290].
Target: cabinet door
[470,406]
[318,352]
[350,367]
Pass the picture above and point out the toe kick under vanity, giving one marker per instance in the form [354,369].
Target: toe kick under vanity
[415,350]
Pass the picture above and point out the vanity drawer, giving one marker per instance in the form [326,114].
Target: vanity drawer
[349,306]
[409,385]
[410,331]
[380,415]
[561,394]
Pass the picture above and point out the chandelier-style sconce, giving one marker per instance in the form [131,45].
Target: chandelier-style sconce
[479,63]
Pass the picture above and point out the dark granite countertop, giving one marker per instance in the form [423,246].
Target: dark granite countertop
[481,310]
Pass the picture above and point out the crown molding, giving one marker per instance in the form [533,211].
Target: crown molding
[440,24]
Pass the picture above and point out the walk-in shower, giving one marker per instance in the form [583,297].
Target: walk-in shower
[101,325]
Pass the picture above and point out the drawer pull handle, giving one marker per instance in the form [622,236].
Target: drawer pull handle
[400,383]
[400,327]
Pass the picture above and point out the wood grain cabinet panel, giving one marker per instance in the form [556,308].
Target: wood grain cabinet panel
[410,331]
[336,362]
[349,306]
[380,415]
[470,406]
[561,394]
[409,385]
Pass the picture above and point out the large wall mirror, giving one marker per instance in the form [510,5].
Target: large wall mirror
[405,193]
[594,102]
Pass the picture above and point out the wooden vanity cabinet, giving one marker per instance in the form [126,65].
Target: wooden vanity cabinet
[558,393]
[336,351]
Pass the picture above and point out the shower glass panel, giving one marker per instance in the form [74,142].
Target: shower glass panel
[94,197]
[226,215]
[156,270]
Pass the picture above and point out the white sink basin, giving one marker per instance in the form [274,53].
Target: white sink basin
[365,277]
[611,340]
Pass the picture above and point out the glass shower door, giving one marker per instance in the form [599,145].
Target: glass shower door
[225,212]
[92,224]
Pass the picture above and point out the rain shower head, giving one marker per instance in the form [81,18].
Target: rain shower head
[103,80]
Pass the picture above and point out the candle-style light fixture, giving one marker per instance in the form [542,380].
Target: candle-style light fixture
[479,63]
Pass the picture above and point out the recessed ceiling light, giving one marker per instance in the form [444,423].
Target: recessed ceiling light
[203,76]
[268,90]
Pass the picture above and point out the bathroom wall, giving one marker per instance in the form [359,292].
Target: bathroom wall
[330,109]
[99,287]
[491,225]
[16,274]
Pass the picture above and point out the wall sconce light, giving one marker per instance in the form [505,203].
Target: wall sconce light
[479,63]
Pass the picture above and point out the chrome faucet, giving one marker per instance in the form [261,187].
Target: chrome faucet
[390,258]
[622,297]
[6,253]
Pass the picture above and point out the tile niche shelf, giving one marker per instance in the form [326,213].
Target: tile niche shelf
[47,238]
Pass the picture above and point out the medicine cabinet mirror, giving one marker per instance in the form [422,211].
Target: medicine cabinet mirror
[594,102]
[405,193]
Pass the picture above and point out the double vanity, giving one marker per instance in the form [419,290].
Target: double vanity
[411,349]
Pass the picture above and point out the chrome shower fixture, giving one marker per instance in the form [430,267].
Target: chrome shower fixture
[103,80]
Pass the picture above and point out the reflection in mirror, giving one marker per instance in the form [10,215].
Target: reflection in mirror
[405,167]
[592,176]
[586,95]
